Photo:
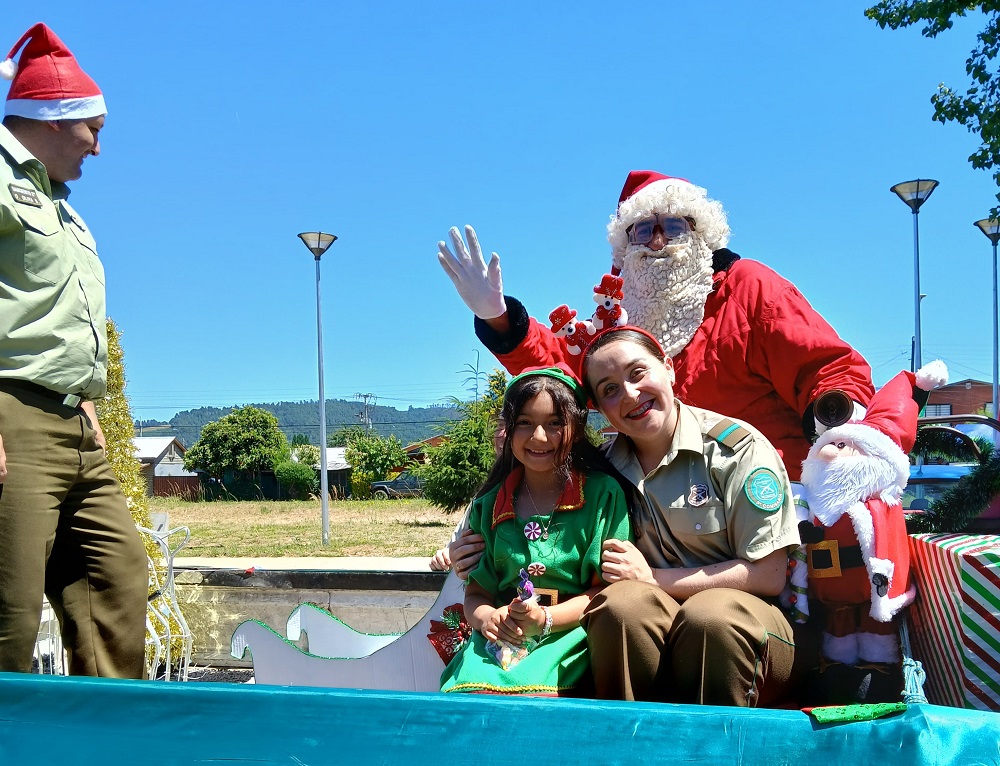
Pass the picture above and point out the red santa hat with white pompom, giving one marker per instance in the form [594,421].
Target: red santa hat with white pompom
[647,192]
[47,82]
[889,427]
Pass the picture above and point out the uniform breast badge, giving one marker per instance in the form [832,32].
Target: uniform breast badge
[698,495]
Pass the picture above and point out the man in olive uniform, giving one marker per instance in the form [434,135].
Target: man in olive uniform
[65,529]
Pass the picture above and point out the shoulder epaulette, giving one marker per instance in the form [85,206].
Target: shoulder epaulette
[729,433]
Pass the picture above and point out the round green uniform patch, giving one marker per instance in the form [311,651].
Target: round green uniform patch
[764,490]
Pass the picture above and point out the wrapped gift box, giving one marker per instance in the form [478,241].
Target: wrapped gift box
[956,618]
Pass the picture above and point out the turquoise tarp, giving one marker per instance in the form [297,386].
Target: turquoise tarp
[100,721]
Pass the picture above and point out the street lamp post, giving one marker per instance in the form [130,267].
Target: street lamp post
[991,228]
[914,194]
[318,243]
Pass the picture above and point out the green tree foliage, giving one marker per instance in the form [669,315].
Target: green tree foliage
[244,442]
[978,108]
[299,439]
[409,425]
[343,436]
[297,480]
[307,454]
[375,456]
[458,467]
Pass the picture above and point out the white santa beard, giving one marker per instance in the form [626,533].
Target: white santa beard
[665,291]
[833,487]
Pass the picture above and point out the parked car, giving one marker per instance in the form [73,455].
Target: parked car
[929,482]
[405,485]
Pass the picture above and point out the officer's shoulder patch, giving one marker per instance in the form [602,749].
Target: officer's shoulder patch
[728,433]
[764,490]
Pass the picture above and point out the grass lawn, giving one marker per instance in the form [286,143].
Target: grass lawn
[295,528]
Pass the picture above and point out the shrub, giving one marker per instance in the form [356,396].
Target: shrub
[361,485]
[297,479]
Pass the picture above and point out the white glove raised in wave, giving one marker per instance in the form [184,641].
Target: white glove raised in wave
[479,284]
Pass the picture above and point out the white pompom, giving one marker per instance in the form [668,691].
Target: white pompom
[8,69]
[932,375]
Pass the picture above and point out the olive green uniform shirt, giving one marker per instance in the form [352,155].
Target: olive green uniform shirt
[52,299]
[707,502]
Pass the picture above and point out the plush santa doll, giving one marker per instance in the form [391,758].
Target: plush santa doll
[856,542]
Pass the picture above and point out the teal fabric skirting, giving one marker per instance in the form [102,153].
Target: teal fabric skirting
[98,721]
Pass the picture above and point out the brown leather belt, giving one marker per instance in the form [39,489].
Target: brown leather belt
[69,400]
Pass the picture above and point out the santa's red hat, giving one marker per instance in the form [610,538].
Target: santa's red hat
[48,83]
[889,427]
[647,192]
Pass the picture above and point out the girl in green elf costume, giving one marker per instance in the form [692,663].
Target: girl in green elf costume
[546,508]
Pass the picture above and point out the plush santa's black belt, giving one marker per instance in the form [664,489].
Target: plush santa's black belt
[69,400]
[826,556]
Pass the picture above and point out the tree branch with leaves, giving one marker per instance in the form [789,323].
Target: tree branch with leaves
[978,108]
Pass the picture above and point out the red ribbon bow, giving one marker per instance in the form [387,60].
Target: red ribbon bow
[450,632]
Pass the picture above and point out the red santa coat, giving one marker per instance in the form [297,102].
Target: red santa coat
[864,557]
[761,354]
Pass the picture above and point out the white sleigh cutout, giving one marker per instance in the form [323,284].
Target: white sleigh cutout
[408,662]
[331,637]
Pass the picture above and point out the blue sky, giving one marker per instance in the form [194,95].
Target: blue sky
[234,126]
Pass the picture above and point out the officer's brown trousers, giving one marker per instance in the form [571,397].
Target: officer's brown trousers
[65,530]
[719,647]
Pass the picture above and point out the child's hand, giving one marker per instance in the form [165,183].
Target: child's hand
[500,626]
[528,616]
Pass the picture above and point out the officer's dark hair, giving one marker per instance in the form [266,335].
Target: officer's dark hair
[13,122]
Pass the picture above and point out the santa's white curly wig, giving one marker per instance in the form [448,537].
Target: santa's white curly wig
[657,193]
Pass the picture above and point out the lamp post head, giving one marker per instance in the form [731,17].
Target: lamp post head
[914,193]
[317,241]
[991,228]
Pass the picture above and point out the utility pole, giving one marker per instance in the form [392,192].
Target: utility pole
[365,416]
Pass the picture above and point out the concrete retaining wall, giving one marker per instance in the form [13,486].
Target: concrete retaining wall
[215,601]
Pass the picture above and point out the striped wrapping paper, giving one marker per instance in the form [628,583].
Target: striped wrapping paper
[956,617]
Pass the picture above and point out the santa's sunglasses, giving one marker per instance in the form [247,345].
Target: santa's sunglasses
[673,226]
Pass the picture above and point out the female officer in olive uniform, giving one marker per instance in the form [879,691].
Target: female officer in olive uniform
[691,614]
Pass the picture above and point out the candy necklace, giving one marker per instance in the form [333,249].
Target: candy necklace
[533,530]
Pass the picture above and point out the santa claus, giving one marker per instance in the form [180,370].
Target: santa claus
[855,535]
[744,341]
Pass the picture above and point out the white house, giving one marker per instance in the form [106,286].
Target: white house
[162,459]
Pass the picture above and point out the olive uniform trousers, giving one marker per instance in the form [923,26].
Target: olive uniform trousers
[718,647]
[65,530]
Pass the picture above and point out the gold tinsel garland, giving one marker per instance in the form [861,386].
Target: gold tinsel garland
[116,421]
[115,417]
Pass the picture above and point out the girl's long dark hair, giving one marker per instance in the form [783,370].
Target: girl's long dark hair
[576,451]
